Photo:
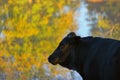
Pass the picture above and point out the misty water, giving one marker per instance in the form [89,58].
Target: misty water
[82,20]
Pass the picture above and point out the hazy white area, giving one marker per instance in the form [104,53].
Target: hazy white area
[81,19]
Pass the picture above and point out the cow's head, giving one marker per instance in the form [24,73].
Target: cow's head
[64,49]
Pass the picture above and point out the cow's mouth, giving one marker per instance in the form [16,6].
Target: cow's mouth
[54,62]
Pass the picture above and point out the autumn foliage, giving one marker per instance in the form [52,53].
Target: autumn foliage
[29,30]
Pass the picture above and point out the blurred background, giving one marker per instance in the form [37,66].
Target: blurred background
[30,30]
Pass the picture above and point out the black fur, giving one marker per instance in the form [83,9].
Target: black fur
[94,58]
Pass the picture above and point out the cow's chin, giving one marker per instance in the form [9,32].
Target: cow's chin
[56,61]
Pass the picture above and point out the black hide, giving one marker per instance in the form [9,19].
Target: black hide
[94,58]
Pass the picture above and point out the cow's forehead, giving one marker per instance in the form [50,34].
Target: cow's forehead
[65,40]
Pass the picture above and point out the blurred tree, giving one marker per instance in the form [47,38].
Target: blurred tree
[109,17]
[31,29]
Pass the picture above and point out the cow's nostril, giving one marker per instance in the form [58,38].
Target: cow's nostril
[49,59]
[53,60]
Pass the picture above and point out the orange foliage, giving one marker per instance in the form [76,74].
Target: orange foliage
[31,29]
[95,1]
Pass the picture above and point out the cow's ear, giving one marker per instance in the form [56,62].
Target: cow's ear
[71,35]
[75,40]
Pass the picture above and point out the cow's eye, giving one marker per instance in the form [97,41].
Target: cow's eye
[62,46]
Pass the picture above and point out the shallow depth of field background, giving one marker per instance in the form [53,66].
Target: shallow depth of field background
[30,30]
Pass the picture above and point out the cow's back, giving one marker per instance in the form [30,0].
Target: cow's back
[101,63]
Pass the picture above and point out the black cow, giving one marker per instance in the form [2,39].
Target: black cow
[94,58]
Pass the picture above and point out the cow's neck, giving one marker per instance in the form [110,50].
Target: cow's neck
[81,55]
[78,62]
[77,57]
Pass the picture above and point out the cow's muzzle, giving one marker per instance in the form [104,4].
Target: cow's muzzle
[53,60]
